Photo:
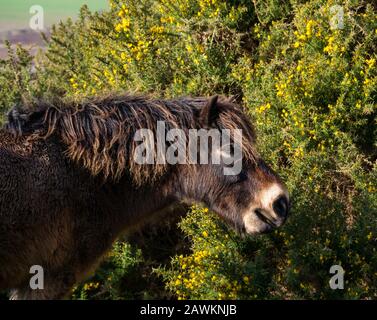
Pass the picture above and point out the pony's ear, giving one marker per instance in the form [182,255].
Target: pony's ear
[21,121]
[210,112]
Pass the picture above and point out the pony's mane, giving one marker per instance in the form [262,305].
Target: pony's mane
[99,132]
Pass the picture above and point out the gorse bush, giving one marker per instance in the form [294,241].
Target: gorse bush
[108,282]
[131,47]
[312,93]
[219,266]
[19,79]
[307,73]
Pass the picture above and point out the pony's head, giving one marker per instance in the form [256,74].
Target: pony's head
[241,188]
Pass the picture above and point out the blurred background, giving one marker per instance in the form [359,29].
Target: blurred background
[15,17]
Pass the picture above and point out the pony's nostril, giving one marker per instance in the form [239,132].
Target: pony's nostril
[280,206]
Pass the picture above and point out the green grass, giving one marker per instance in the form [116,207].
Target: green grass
[15,14]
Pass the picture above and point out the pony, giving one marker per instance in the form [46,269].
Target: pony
[70,185]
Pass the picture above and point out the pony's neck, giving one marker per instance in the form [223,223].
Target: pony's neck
[134,206]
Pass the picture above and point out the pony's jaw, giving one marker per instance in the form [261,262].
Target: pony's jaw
[254,225]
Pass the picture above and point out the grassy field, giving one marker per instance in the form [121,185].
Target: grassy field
[15,14]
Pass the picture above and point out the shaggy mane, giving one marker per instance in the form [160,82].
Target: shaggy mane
[99,132]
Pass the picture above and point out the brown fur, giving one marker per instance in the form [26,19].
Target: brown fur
[69,187]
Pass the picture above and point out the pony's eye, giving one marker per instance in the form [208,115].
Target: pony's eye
[242,176]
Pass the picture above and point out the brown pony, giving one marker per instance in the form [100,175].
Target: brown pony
[70,185]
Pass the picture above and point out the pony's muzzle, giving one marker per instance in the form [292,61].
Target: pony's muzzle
[276,215]
[269,212]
